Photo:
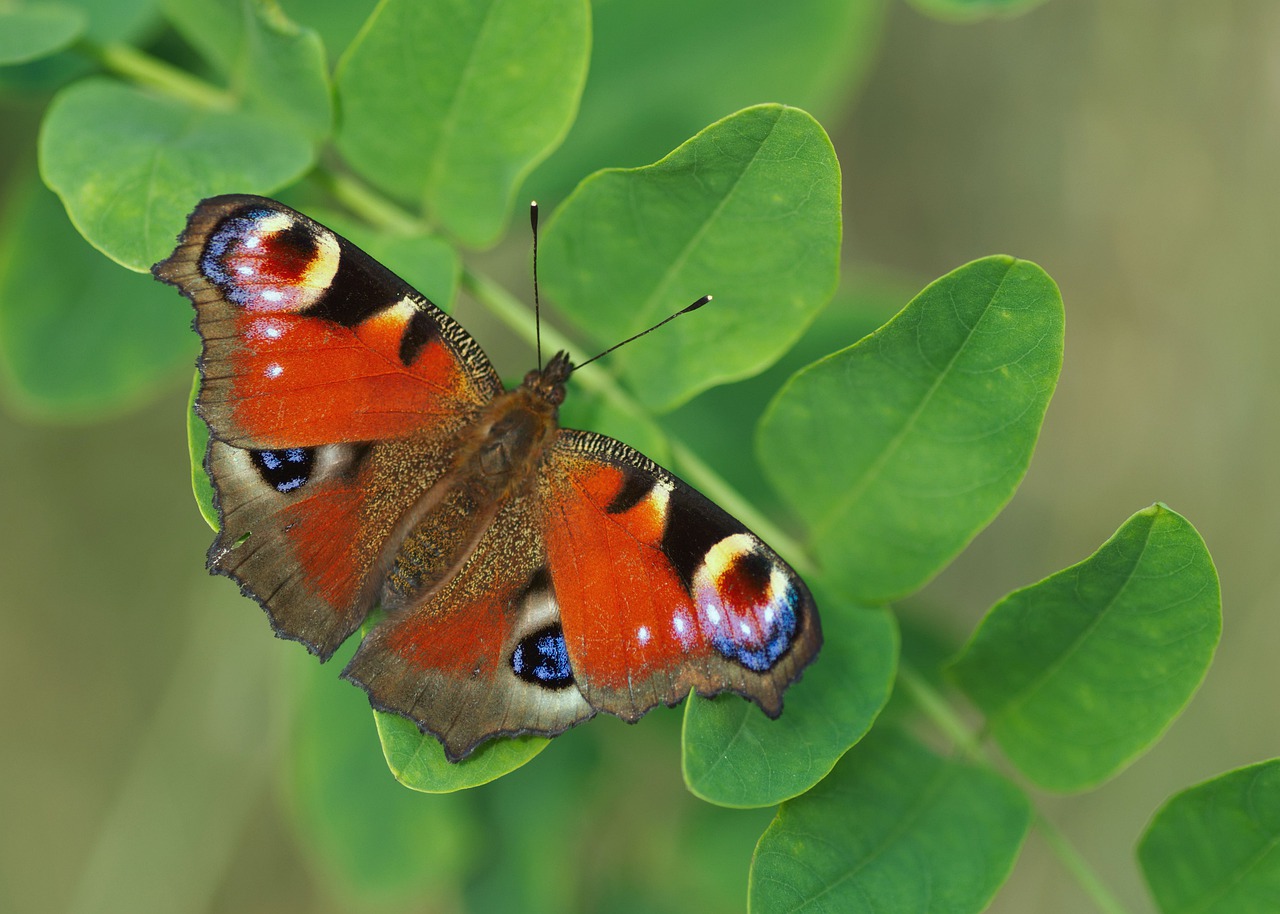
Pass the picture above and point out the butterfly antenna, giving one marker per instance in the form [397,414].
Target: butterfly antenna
[666,320]
[537,308]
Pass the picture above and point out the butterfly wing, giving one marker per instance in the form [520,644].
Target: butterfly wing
[483,655]
[660,591]
[334,394]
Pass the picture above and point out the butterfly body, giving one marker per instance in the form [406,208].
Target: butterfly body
[364,453]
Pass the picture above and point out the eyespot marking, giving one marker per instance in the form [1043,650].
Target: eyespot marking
[748,602]
[284,470]
[542,659]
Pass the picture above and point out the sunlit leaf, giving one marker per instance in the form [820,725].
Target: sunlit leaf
[1080,673]
[417,759]
[897,450]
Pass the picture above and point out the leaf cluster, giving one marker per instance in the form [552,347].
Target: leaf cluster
[412,128]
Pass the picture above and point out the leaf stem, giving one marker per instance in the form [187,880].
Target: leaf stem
[944,716]
[145,70]
[369,205]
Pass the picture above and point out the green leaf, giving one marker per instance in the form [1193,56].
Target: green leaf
[974,10]
[274,66]
[1080,673]
[735,756]
[197,444]
[899,449]
[892,828]
[129,166]
[79,337]
[748,210]
[36,30]
[380,843]
[336,23]
[417,759]
[449,105]
[810,52]
[1215,848]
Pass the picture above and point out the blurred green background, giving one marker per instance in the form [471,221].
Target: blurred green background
[154,755]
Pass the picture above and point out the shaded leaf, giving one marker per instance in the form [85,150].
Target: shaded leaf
[1080,673]
[129,166]
[79,337]
[735,756]
[892,828]
[273,66]
[748,210]
[897,450]
[1215,848]
[812,53]
[379,842]
[448,105]
[197,444]
[35,30]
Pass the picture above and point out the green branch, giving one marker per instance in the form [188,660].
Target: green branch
[145,70]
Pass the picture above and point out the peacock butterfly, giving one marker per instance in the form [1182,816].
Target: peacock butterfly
[364,452]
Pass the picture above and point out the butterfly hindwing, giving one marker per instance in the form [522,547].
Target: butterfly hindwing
[662,592]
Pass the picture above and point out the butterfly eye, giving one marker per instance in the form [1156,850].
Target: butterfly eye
[542,658]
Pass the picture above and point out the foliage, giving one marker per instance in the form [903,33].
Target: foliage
[892,448]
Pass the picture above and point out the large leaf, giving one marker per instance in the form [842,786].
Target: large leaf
[1080,673]
[130,166]
[658,73]
[892,828]
[35,30]
[1215,848]
[79,337]
[900,448]
[449,105]
[748,210]
[735,756]
[272,65]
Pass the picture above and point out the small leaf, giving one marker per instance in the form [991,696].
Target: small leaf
[735,756]
[380,842]
[892,828]
[417,759]
[1215,848]
[79,337]
[1080,673]
[197,444]
[274,66]
[449,105]
[974,10]
[36,30]
[900,448]
[748,210]
[130,166]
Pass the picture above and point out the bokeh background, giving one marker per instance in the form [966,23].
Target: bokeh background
[157,742]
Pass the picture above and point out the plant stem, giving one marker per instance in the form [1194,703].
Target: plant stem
[369,205]
[940,711]
[146,70]
[1078,867]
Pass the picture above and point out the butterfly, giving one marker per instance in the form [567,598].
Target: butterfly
[364,452]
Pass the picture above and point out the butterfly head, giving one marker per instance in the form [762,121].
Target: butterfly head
[548,382]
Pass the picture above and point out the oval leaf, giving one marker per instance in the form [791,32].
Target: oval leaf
[417,759]
[735,756]
[80,337]
[197,444]
[450,105]
[748,210]
[1215,848]
[899,449]
[36,30]
[1080,673]
[129,166]
[892,828]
